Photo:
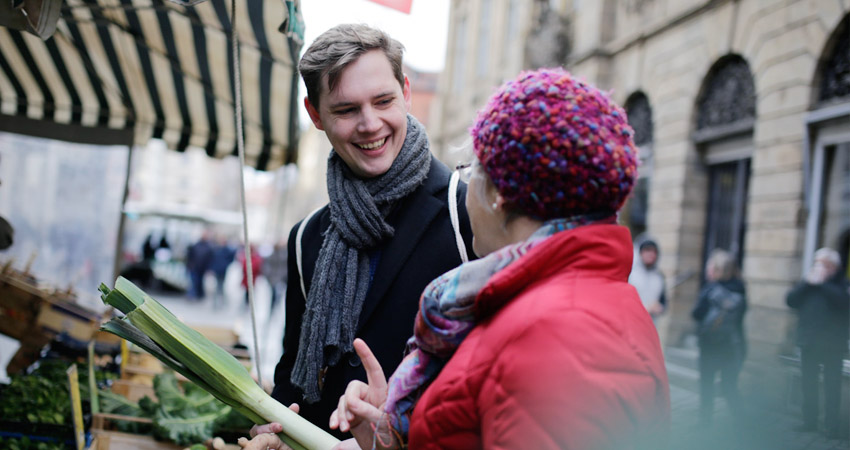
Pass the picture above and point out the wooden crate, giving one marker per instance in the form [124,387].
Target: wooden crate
[59,316]
[132,391]
[116,440]
[105,439]
[20,303]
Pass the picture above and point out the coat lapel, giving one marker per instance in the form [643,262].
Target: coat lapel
[413,220]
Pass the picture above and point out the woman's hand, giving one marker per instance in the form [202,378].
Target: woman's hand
[264,437]
[362,404]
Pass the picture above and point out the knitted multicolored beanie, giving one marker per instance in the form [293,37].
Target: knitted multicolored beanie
[555,146]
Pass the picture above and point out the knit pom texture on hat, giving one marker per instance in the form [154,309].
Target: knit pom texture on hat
[555,146]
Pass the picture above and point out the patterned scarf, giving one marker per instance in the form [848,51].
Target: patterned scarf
[341,279]
[446,316]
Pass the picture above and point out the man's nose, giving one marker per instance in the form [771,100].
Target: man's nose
[369,121]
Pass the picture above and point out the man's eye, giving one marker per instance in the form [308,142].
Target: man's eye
[345,111]
[385,101]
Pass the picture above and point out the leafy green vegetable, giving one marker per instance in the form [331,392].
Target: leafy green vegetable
[40,397]
[204,363]
[25,443]
[185,417]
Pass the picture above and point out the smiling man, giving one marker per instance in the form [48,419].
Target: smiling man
[366,256]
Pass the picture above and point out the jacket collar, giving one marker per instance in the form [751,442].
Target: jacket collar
[603,250]
[412,218]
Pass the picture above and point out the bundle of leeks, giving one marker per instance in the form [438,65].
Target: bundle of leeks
[152,327]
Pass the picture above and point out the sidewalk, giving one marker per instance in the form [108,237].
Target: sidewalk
[756,429]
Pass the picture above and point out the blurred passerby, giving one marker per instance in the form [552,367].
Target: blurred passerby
[648,280]
[256,268]
[148,249]
[719,313]
[274,268]
[223,254]
[198,259]
[823,304]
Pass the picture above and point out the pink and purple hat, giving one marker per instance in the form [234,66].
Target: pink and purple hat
[555,146]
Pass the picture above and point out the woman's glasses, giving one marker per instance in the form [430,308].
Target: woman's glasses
[465,171]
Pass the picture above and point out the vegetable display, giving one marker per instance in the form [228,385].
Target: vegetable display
[152,327]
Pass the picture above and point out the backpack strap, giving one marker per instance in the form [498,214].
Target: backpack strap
[461,246]
[298,251]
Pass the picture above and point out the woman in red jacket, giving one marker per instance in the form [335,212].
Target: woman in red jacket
[540,343]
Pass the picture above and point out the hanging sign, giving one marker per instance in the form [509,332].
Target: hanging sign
[398,5]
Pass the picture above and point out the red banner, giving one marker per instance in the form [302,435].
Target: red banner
[399,5]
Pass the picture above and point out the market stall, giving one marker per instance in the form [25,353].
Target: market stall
[215,75]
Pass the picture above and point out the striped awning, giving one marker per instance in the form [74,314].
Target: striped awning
[161,70]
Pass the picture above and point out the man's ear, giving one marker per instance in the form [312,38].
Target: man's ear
[406,93]
[313,113]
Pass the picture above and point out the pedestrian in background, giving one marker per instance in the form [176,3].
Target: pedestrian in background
[274,268]
[198,259]
[256,268]
[719,313]
[823,304]
[223,255]
[648,280]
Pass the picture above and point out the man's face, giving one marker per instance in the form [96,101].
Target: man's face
[365,116]
[648,256]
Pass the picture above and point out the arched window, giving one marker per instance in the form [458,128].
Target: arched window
[728,97]
[835,68]
[827,153]
[726,111]
[640,118]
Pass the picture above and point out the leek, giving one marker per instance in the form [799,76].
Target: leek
[155,329]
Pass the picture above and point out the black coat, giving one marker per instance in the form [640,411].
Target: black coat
[823,310]
[726,335]
[422,248]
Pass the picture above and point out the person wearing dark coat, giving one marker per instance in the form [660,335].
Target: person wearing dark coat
[719,313]
[198,259]
[822,301]
[385,234]
[222,257]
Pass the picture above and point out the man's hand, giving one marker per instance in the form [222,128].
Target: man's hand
[362,404]
[264,437]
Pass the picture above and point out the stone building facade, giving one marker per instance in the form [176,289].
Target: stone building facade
[742,116]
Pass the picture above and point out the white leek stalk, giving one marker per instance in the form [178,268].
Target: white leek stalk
[154,328]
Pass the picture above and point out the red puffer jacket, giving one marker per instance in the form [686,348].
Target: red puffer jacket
[565,356]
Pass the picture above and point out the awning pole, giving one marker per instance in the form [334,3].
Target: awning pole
[119,242]
[240,145]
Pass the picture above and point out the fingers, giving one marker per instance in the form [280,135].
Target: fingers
[365,411]
[374,373]
[342,417]
[354,407]
[295,408]
[273,428]
[262,442]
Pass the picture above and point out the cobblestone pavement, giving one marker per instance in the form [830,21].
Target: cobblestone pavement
[755,429]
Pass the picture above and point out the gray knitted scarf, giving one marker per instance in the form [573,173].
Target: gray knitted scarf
[341,279]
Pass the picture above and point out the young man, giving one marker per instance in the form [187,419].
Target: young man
[648,280]
[386,233]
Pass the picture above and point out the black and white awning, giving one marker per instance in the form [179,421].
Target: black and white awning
[162,71]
